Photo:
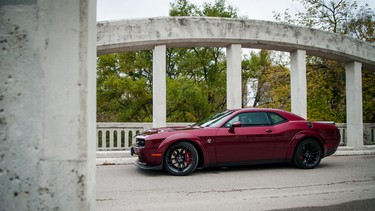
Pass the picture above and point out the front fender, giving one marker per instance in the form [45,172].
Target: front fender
[180,137]
[301,136]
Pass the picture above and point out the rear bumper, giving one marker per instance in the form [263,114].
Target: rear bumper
[331,149]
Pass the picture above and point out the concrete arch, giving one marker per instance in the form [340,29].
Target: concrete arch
[142,34]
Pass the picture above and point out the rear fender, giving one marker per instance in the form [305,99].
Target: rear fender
[304,134]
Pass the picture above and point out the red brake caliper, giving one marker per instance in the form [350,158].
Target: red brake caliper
[187,158]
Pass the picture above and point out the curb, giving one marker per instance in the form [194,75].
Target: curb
[124,157]
[348,151]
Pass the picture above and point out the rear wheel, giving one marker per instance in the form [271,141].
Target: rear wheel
[307,154]
[181,159]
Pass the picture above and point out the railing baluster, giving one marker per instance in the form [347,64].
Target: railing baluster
[118,139]
[104,133]
[126,139]
[111,139]
[132,138]
[97,138]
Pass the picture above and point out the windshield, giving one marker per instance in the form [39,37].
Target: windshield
[214,120]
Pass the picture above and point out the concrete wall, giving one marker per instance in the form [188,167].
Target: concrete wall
[47,104]
[139,34]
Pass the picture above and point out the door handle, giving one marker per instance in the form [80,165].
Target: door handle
[269,131]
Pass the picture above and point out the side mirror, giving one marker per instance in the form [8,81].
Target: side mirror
[234,125]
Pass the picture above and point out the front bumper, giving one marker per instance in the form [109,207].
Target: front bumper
[146,162]
[145,167]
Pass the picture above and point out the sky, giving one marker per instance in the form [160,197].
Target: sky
[253,9]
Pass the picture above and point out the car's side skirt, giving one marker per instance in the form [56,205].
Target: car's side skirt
[245,163]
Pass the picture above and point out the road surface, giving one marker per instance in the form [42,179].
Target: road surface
[339,182]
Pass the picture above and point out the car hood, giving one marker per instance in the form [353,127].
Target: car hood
[168,129]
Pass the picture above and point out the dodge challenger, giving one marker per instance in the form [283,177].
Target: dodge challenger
[237,137]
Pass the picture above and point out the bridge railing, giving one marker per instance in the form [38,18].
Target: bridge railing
[120,135]
[368,133]
[113,136]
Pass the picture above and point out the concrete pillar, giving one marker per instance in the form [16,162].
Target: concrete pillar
[47,105]
[159,91]
[234,77]
[354,114]
[298,82]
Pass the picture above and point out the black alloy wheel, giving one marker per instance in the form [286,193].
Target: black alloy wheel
[181,159]
[307,154]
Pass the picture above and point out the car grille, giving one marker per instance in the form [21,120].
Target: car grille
[140,142]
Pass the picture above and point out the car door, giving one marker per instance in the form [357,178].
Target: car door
[253,140]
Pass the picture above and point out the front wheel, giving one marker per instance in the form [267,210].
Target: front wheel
[181,159]
[307,154]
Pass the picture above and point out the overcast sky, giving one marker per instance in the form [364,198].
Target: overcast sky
[253,9]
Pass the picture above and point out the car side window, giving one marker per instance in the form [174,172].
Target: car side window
[276,119]
[231,121]
[250,119]
[259,119]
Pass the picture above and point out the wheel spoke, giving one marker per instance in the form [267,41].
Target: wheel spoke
[179,158]
[309,154]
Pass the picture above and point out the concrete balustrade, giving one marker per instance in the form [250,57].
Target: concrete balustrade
[120,136]
[114,136]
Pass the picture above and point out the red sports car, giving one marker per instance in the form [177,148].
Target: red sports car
[237,137]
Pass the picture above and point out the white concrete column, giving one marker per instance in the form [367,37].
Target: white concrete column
[159,91]
[47,105]
[298,82]
[354,116]
[234,77]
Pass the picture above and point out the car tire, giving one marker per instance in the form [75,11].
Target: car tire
[181,159]
[308,154]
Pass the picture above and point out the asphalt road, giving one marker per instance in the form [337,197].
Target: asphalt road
[338,183]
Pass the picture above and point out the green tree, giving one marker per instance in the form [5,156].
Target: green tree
[270,80]
[195,77]
[183,8]
[185,102]
[203,66]
[124,87]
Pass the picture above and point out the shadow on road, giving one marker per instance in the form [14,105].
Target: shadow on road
[363,205]
[254,167]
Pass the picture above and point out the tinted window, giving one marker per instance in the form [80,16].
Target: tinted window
[276,119]
[259,118]
[250,119]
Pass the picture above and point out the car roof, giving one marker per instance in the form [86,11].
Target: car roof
[286,114]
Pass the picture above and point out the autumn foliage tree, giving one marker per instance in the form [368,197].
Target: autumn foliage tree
[326,78]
